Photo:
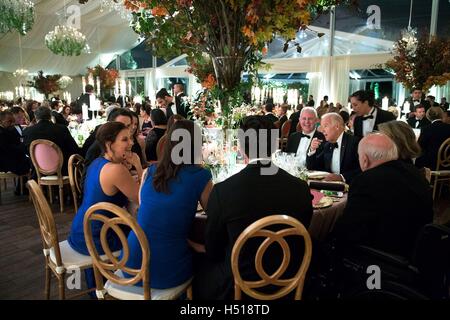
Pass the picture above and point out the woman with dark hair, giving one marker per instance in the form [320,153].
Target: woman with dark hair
[169,196]
[107,180]
[66,112]
[138,140]
[159,124]
[146,121]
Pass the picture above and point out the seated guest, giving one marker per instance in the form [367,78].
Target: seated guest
[138,140]
[159,124]
[46,129]
[166,103]
[282,115]
[419,121]
[368,116]
[12,152]
[168,202]
[20,120]
[91,146]
[403,137]
[387,204]
[145,115]
[268,112]
[66,112]
[59,118]
[431,138]
[338,155]
[299,142]
[236,203]
[107,180]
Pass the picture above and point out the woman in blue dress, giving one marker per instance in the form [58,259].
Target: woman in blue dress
[107,180]
[170,192]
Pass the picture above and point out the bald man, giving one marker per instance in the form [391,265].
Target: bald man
[338,154]
[388,202]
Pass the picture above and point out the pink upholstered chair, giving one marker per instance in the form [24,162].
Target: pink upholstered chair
[48,160]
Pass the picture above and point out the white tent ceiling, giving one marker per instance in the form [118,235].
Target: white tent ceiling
[106,32]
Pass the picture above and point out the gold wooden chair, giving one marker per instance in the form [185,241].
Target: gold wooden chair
[48,160]
[285,129]
[76,168]
[60,258]
[257,229]
[117,286]
[442,172]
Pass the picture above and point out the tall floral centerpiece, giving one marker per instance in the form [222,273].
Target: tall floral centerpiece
[106,76]
[46,84]
[421,62]
[232,33]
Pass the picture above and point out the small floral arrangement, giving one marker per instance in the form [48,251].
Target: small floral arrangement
[66,41]
[64,82]
[202,108]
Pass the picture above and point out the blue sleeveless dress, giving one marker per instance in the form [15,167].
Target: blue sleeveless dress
[167,220]
[93,194]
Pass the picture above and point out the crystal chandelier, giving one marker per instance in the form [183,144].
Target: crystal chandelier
[16,15]
[66,41]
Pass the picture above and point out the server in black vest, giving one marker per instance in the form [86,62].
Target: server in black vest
[368,116]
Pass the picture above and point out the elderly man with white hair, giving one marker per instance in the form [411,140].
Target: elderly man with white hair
[299,142]
[388,202]
[338,155]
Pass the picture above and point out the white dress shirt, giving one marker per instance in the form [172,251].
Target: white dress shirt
[336,158]
[303,147]
[369,123]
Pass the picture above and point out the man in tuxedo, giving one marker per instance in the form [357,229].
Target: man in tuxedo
[19,118]
[282,111]
[85,98]
[165,103]
[178,91]
[388,202]
[432,100]
[268,107]
[415,99]
[419,121]
[444,104]
[12,152]
[46,129]
[311,102]
[338,155]
[368,116]
[59,119]
[299,142]
[236,203]
[431,138]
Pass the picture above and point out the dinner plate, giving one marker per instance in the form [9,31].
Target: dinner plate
[325,202]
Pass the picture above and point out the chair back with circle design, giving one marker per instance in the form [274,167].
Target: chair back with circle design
[47,158]
[443,156]
[286,128]
[108,266]
[258,229]
[47,226]
[76,168]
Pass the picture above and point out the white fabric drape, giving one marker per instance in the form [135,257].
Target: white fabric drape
[107,34]
[340,81]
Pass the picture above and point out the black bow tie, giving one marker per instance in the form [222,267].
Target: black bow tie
[302,135]
[367,117]
[334,145]
[416,100]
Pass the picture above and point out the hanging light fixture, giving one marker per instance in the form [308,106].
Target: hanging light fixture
[16,15]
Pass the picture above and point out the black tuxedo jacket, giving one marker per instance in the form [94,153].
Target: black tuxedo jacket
[271,117]
[430,141]
[57,133]
[169,111]
[59,119]
[236,203]
[294,140]
[382,116]
[12,153]
[321,159]
[386,207]
[179,103]
[422,123]
[423,102]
